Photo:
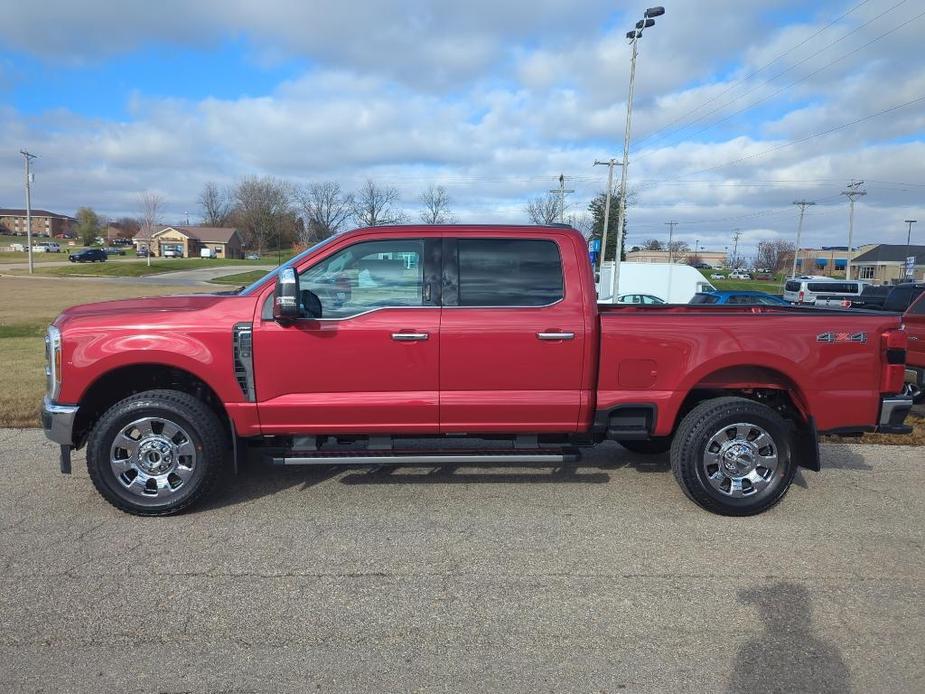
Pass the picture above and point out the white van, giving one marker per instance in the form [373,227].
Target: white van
[46,247]
[805,290]
[671,282]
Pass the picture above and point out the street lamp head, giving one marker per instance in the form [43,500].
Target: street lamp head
[911,221]
[632,34]
[654,12]
[645,23]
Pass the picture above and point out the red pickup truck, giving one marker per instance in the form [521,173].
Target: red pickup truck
[914,319]
[377,337]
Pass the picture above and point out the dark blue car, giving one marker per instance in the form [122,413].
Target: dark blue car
[738,297]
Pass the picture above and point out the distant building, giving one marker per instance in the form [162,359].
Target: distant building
[826,261]
[44,223]
[225,242]
[712,258]
[885,263]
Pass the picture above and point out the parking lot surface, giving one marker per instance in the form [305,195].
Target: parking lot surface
[600,577]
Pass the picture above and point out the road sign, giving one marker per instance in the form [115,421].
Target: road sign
[910,267]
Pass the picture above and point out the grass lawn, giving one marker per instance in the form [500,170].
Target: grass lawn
[240,278]
[27,308]
[36,257]
[140,268]
[747,285]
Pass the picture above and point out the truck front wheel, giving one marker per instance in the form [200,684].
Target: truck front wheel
[732,456]
[156,453]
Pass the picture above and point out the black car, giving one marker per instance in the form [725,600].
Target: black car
[88,255]
[902,296]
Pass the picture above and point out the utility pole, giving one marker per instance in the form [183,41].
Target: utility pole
[609,164]
[28,156]
[854,190]
[187,219]
[736,233]
[648,20]
[671,225]
[561,191]
[910,222]
[803,205]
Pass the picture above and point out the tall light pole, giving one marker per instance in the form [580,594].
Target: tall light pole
[609,164]
[854,190]
[910,222]
[28,156]
[648,20]
[671,225]
[803,205]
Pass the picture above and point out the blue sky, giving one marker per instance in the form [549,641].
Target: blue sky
[493,101]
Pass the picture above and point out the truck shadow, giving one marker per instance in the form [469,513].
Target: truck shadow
[786,656]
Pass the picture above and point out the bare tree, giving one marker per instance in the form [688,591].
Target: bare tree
[151,204]
[325,209]
[678,248]
[544,209]
[652,245]
[775,256]
[584,222]
[374,205]
[436,204]
[215,204]
[263,210]
[694,259]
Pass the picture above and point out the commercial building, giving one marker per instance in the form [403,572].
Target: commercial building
[712,258]
[44,223]
[224,242]
[828,261]
[885,263]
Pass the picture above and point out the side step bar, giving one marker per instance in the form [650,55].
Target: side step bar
[410,458]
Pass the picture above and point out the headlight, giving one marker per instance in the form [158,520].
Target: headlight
[53,361]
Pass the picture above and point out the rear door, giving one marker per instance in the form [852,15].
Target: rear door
[512,335]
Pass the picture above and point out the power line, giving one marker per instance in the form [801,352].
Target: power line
[795,65]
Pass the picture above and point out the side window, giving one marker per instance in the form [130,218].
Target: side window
[509,272]
[918,308]
[366,276]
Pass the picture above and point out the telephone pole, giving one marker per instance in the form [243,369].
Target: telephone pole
[736,233]
[28,156]
[854,190]
[803,205]
[671,225]
[910,222]
[561,192]
[609,164]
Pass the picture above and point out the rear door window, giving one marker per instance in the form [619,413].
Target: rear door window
[509,272]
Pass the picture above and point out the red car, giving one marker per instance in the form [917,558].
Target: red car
[379,336]
[914,319]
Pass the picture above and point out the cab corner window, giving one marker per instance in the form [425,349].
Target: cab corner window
[509,272]
[366,276]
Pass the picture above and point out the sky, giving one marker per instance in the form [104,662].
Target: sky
[740,107]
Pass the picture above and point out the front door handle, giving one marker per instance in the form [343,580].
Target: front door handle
[410,337]
[555,336]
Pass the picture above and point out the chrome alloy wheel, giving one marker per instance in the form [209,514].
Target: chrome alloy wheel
[152,457]
[740,460]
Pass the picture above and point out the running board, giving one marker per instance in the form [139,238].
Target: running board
[410,458]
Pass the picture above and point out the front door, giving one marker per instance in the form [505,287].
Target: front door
[915,326]
[512,337]
[370,363]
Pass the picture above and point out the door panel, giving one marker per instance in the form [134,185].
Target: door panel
[501,368]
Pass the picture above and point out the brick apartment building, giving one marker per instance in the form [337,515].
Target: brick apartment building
[44,223]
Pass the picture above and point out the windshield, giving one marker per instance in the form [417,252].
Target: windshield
[289,263]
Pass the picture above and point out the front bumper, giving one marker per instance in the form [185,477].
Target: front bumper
[58,422]
[893,411]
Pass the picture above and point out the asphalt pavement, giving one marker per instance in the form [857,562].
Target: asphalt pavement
[599,577]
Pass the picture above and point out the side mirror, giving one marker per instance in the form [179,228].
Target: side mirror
[286,296]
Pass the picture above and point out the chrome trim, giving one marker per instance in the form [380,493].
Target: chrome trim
[891,405]
[52,347]
[410,337]
[557,301]
[555,336]
[430,459]
[58,421]
[243,352]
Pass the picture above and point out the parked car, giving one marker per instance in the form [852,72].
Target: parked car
[88,255]
[717,276]
[639,299]
[902,296]
[141,252]
[721,297]
[111,250]
[253,256]
[914,319]
[46,247]
[872,296]
[172,253]
[739,275]
[805,290]
[381,335]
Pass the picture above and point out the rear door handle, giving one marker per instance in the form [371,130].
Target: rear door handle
[555,336]
[410,337]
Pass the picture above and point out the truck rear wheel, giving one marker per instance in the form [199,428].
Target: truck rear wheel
[732,456]
[156,453]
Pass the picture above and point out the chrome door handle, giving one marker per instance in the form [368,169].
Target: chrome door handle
[410,337]
[913,338]
[555,336]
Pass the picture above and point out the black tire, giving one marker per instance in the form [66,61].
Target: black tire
[653,446]
[698,430]
[205,432]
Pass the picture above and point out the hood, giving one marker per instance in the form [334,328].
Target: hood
[129,308]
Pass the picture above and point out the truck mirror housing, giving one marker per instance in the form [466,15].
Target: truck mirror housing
[286,296]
